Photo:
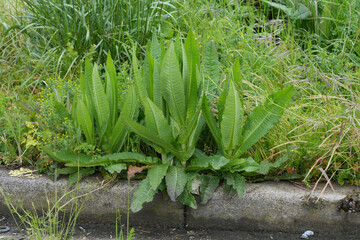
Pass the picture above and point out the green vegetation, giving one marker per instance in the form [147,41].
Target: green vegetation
[233,90]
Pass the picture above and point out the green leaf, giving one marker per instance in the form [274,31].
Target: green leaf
[116,168]
[198,164]
[191,75]
[67,170]
[264,167]
[186,198]
[263,118]
[237,182]
[232,119]
[156,121]
[210,119]
[86,85]
[122,157]
[118,132]
[157,97]
[172,86]
[281,160]
[155,47]
[156,175]
[236,76]
[208,186]
[148,73]
[61,110]
[111,89]
[139,81]
[234,163]
[150,136]
[211,65]
[77,176]
[218,162]
[175,182]
[143,194]
[212,163]
[250,166]
[301,13]
[190,127]
[101,104]
[284,8]
[85,121]
[67,157]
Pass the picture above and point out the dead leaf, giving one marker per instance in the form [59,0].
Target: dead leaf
[24,172]
[132,170]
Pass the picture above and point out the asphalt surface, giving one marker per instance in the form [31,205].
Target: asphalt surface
[107,232]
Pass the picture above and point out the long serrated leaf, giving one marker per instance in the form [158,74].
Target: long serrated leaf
[232,119]
[208,187]
[155,49]
[212,67]
[212,163]
[150,136]
[218,162]
[281,160]
[264,167]
[210,120]
[175,182]
[67,157]
[250,166]
[67,170]
[144,193]
[172,86]
[282,7]
[148,73]
[301,13]
[156,174]
[61,110]
[85,122]
[193,98]
[237,182]
[236,77]
[101,104]
[111,89]
[190,127]
[86,85]
[139,81]
[156,121]
[186,198]
[263,118]
[157,97]
[116,168]
[128,109]
[123,157]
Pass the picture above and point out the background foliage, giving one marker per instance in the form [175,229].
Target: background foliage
[314,47]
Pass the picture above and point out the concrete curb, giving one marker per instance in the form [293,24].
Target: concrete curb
[267,206]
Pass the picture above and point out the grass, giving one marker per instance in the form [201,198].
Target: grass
[59,218]
[275,50]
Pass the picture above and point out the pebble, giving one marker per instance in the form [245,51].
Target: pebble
[306,234]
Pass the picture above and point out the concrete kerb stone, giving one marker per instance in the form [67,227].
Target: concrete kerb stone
[101,206]
[266,206]
[280,207]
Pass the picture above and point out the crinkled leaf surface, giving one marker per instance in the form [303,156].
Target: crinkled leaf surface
[143,194]
[209,184]
[116,168]
[175,181]
[156,175]
[237,182]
